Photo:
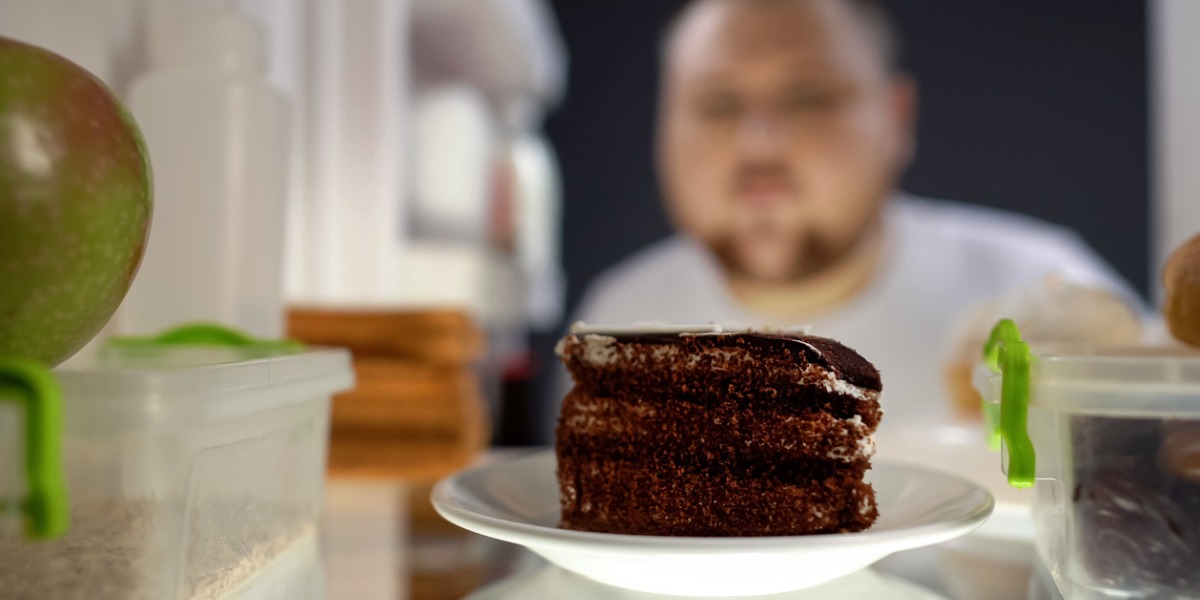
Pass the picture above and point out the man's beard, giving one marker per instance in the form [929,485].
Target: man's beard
[811,253]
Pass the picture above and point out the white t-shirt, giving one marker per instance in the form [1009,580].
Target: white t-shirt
[941,260]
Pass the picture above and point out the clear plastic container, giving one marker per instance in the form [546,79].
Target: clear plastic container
[184,482]
[1111,438]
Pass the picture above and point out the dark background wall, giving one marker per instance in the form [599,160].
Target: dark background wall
[1034,106]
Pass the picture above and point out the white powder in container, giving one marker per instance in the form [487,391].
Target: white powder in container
[106,553]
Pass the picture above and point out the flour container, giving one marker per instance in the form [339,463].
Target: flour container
[190,473]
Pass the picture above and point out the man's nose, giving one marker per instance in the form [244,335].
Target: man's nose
[762,133]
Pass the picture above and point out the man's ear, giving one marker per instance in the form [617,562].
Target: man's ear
[903,103]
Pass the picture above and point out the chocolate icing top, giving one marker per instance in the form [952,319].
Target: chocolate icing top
[824,352]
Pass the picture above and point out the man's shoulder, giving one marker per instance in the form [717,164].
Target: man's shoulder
[986,233]
[980,224]
[1013,249]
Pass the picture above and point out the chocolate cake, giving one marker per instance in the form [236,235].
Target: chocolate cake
[704,432]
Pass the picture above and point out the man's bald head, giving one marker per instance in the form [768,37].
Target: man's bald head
[871,15]
[782,130]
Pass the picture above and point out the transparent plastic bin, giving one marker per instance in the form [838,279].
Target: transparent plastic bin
[191,474]
[1111,438]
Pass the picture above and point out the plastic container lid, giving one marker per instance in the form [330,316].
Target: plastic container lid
[1142,382]
[1151,382]
[222,365]
[1158,383]
[223,385]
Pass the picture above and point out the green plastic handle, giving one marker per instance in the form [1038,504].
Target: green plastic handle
[1005,329]
[1006,353]
[32,385]
[991,426]
[207,334]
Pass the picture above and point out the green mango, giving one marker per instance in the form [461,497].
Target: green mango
[75,203]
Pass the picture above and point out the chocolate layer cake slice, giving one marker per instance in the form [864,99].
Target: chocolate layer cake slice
[713,433]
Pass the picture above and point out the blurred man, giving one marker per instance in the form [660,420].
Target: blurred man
[783,130]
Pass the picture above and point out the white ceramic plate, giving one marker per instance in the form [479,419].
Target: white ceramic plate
[553,583]
[994,561]
[960,449]
[516,500]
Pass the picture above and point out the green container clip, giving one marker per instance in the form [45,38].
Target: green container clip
[1007,354]
[32,386]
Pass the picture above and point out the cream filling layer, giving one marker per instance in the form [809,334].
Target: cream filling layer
[587,420]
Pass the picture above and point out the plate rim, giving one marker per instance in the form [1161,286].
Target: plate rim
[542,536]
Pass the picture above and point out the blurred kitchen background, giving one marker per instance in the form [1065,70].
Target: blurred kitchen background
[433,183]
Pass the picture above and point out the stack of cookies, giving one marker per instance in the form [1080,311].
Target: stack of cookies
[417,411]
